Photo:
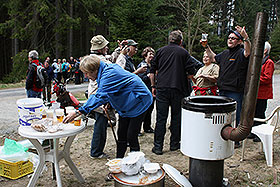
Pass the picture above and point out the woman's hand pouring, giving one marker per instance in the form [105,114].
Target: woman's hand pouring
[70,117]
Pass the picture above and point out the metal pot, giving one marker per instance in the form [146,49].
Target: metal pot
[123,182]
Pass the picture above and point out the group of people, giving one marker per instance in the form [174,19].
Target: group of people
[164,77]
[65,69]
[59,70]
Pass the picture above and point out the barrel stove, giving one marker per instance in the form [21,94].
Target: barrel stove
[203,118]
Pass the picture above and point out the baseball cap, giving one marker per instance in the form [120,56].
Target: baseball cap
[33,54]
[236,33]
[131,43]
[98,42]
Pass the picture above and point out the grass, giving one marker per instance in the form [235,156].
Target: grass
[13,85]
[80,96]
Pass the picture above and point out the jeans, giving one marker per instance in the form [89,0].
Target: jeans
[166,97]
[238,97]
[32,94]
[55,75]
[128,134]
[99,135]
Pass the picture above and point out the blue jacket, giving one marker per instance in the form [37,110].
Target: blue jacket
[125,91]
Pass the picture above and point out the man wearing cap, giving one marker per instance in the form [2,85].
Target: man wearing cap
[128,50]
[233,64]
[98,49]
[32,89]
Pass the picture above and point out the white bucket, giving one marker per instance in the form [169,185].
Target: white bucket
[29,110]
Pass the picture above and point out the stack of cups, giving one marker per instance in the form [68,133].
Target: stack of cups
[59,114]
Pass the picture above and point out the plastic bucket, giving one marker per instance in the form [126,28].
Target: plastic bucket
[29,110]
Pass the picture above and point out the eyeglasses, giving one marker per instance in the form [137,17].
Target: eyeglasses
[233,38]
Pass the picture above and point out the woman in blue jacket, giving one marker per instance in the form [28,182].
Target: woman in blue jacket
[125,92]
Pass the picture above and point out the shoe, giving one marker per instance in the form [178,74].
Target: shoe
[251,136]
[157,152]
[149,131]
[103,155]
[174,148]
[256,139]
[109,177]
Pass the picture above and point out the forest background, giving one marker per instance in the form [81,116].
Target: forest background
[63,28]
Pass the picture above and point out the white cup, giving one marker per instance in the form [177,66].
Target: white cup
[55,105]
[59,114]
[69,108]
[49,113]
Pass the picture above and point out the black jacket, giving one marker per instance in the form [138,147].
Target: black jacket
[173,63]
[233,69]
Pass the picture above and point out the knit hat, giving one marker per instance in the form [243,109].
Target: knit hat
[236,33]
[98,42]
[33,54]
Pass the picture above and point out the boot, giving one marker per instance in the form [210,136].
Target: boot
[121,149]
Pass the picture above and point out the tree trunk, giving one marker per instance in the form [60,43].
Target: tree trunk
[71,30]
[57,35]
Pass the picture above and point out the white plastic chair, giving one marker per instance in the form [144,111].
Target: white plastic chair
[265,132]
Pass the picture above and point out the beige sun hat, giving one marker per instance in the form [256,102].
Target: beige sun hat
[98,42]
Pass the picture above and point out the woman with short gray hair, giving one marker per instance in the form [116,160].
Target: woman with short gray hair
[125,92]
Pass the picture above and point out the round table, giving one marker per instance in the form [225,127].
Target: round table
[54,155]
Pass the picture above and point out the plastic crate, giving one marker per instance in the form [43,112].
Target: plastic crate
[15,170]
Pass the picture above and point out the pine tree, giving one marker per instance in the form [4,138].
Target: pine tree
[141,21]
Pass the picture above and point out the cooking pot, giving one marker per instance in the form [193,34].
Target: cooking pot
[122,180]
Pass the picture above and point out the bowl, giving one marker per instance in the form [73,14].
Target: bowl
[151,167]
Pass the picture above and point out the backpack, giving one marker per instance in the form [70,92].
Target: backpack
[42,76]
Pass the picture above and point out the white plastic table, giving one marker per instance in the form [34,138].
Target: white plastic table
[54,155]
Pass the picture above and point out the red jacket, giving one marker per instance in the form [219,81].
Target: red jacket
[265,88]
[31,77]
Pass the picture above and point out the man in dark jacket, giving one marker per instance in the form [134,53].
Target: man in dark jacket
[48,86]
[32,89]
[233,64]
[173,64]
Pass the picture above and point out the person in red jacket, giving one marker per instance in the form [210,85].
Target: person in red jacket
[32,89]
[265,88]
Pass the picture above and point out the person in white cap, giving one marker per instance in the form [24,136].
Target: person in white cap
[32,89]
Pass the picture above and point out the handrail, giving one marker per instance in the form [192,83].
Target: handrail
[269,117]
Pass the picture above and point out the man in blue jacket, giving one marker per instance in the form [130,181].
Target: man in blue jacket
[125,92]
